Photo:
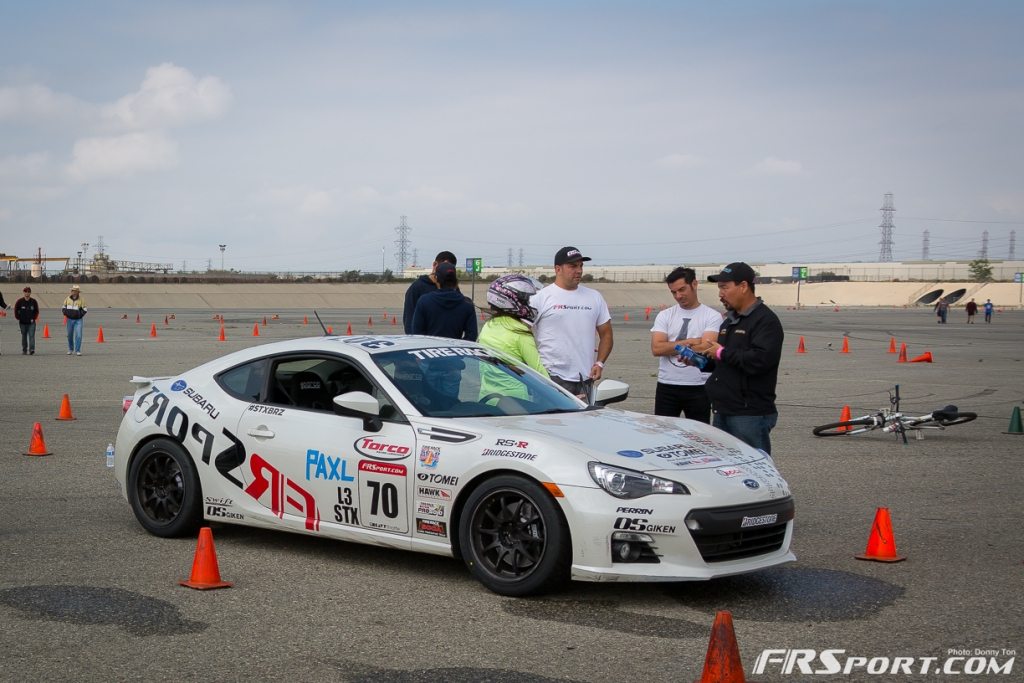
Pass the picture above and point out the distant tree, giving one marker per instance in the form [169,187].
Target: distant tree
[980,270]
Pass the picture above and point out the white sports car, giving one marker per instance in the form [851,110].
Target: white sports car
[446,447]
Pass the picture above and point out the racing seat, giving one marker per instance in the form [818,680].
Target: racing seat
[308,391]
[348,379]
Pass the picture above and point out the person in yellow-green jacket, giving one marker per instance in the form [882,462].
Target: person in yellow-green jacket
[510,331]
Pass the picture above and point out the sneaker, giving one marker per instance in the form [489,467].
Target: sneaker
[69,353]
[79,353]
[32,352]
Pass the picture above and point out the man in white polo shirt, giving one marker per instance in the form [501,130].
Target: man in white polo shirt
[680,386]
[569,316]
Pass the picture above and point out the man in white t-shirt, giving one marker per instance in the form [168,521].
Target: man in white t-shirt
[569,316]
[680,386]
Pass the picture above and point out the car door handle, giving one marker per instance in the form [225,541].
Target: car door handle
[261,432]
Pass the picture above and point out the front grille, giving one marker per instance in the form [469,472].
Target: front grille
[720,536]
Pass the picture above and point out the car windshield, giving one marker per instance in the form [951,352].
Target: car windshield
[471,382]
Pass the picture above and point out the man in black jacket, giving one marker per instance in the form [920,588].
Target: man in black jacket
[424,284]
[744,360]
[26,310]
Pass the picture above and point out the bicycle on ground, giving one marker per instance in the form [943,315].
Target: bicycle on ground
[892,421]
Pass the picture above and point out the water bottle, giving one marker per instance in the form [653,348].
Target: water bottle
[110,455]
[689,354]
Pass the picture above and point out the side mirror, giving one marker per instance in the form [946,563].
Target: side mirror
[360,404]
[610,391]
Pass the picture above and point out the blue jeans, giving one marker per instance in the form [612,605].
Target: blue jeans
[750,429]
[75,335]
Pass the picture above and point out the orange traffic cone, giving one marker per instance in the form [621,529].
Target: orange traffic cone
[152,329]
[925,357]
[46,331]
[37,446]
[647,313]
[99,336]
[138,318]
[305,320]
[369,321]
[385,316]
[722,663]
[394,320]
[348,330]
[903,353]
[844,416]
[881,543]
[846,345]
[892,344]
[222,337]
[255,329]
[65,409]
[626,318]
[205,574]
[800,347]
[330,329]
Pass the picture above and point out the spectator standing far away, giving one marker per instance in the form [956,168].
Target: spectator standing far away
[424,284]
[3,304]
[988,310]
[972,310]
[445,312]
[74,310]
[26,310]
[680,386]
[744,360]
[568,315]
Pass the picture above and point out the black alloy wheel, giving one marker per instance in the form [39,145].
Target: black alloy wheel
[164,489]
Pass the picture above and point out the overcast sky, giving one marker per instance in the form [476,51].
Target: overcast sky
[641,132]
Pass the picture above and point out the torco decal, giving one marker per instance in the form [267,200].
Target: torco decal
[431,527]
[640,524]
[266,476]
[368,445]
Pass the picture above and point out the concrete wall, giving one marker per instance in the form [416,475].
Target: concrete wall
[270,297]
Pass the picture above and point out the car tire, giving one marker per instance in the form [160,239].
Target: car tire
[514,538]
[164,489]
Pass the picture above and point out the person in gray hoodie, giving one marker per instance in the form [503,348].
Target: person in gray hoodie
[445,312]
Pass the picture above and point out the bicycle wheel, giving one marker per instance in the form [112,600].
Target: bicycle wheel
[847,427]
[960,419]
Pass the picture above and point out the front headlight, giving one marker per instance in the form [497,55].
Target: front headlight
[623,483]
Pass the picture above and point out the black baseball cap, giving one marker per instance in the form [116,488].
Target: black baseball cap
[569,255]
[734,272]
[445,273]
[446,257]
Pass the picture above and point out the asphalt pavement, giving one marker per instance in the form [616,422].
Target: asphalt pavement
[86,594]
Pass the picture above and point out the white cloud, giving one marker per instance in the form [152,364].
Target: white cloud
[171,96]
[773,166]
[680,161]
[95,158]
[34,102]
[26,167]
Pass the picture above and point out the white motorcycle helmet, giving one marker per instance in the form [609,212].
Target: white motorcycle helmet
[512,293]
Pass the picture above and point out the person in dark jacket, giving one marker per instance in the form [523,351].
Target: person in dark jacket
[26,310]
[424,284]
[3,304]
[744,361]
[445,312]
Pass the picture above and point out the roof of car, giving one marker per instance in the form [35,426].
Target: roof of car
[358,345]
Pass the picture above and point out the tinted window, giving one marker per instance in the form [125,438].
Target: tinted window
[245,381]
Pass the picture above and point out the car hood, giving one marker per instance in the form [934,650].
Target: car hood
[636,441]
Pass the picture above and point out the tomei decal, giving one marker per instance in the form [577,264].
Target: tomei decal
[323,466]
[635,524]
[264,410]
[266,476]
[430,456]
[433,492]
[346,511]
[368,445]
[382,496]
[431,527]
[453,351]
[443,479]
[503,453]
[445,435]
[430,509]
